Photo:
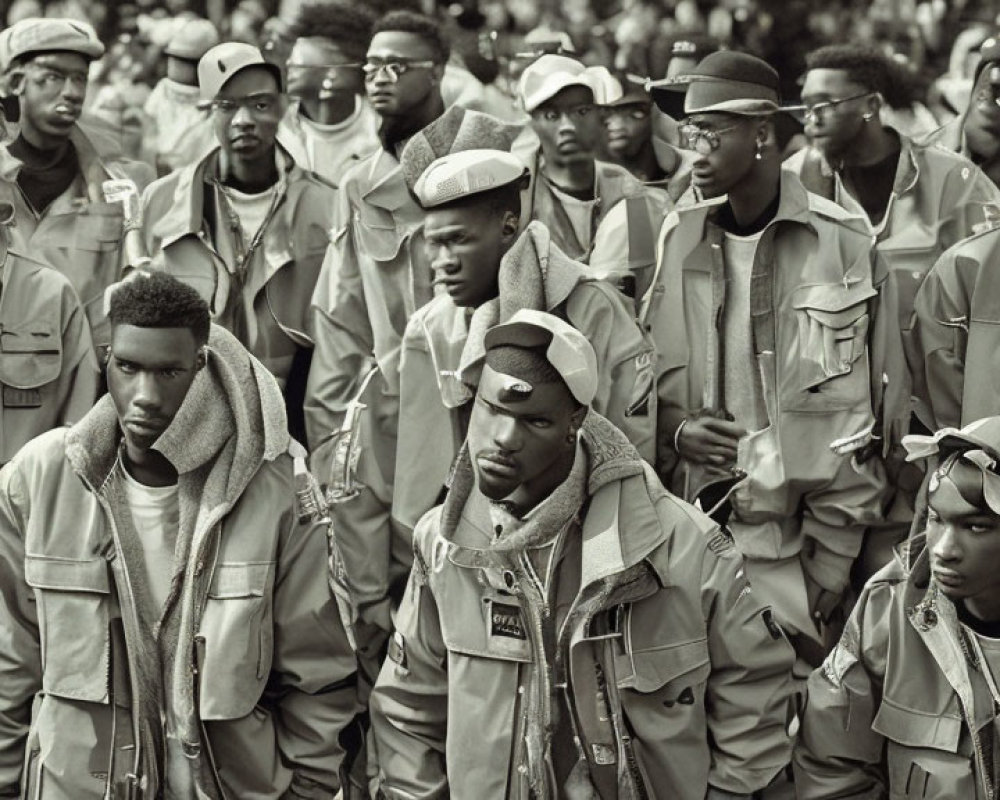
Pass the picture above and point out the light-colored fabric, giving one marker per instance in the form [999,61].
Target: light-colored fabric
[330,150]
[177,132]
[155,516]
[250,209]
[744,395]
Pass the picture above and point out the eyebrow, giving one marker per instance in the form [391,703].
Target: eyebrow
[450,230]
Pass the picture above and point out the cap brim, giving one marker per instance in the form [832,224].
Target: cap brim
[550,89]
[518,334]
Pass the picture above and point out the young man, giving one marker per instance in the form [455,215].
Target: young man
[570,629]
[59,212]
[245,225]
[976,133]
[167,631]
[331,126]
[905,706]
[48,373]
[918,201]
[597,212]
[178,128]
[375,274]
[758,313]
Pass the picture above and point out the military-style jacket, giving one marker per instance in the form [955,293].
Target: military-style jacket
[676,677]
[897,709]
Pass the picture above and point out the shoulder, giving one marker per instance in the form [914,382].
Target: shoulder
[41,456]
[439,310]
[425,538]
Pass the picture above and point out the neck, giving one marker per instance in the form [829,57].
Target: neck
[750,198]
[149,467]
[985,608]
[530,494]
[398,128]
[39,140]
[875,143]
[644,165]
[254,175]
[577,176]
[330,110]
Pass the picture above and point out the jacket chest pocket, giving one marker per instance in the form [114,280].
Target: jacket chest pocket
[30,358]
[238,630]
[923,755]
[74,598]
[99,230]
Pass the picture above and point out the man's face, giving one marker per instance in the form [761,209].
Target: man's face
[395,93]
[568,126]
[982,123]
[720,167]
[464,246]
[628,129]
[964,544]
[246,113]
[834,129]
[52,94]
[314,59]
[517,441]
[149,373]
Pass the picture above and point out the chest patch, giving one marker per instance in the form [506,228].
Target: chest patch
[505,621]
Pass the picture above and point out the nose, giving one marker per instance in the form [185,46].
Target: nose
[946,547]
[242,118]
[444,260]
[565,124]
[506,437]
[147,392]
[73,89]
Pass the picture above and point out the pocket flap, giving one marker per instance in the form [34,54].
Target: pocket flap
[916,728]
[833,298]
[656,668]
[240,579]
[67,574]
[30,354]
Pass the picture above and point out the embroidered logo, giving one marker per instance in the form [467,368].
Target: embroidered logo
[505,620]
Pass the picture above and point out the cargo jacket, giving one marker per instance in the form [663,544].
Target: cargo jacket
[810,336]
[897,710]
[48,372]
[695,686]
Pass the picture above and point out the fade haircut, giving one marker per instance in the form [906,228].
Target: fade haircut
[864,66]
[158,300]
[419,25]
[347,25]
[529,364]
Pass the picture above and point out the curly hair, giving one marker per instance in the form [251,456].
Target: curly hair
[348,25]
[864,66]
[419,25]
[158,300]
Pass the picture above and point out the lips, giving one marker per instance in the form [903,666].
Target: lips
[568,147]
[497,467]
[66,113]
[948,579]
[244,141]
[142,427]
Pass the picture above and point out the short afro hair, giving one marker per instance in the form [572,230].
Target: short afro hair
[158,300]
[347,25]
[419,25]
[864,66]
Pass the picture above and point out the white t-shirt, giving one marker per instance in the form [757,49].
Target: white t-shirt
[744,396]
[155,516]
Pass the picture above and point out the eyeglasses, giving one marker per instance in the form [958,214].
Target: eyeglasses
[300,65]
[258,105]
[394,68]
[817,112]
[704,140]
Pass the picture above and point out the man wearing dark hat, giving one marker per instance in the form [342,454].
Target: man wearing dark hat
[917,201]
[976,133]
[330,126]
[59,211]
[570,629]
[245,225]
[759,314]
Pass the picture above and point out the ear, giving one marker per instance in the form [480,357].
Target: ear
[15,80]
[437,73]
[202,358]
[577,417]
[511,223]
[875,103]
[765,132]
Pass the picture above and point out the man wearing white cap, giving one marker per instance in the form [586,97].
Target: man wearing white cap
[59,212]
[759,314]
[245,225]
[178,130]
[598,212]
[570,629]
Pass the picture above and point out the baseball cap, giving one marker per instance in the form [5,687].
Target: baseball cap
[567,350]
[30,36]
[224,61]
[466,173]
[192,40]
[549,75]
[626,90]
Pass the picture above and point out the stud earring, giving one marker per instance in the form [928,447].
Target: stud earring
[759,155]
[867,117]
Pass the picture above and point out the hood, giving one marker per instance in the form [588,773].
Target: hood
[233,414]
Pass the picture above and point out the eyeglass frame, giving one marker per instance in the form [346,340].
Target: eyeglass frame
[710,136]
[810,111]
[394,68]
[351,65]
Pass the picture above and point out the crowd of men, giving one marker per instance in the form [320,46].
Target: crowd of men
[369,433]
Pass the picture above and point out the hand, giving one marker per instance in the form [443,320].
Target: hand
[709,440]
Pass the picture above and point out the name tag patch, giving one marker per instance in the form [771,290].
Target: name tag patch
[505,621]
[21,398]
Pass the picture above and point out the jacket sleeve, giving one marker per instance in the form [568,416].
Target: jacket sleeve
[341,330]
[837,754]
[409,705]
[314,669]
[79,378]
[750,696]
[20,651]
[967,195]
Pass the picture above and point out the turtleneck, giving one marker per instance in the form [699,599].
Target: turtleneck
[44,174]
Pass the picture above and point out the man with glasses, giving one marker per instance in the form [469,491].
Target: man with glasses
[918,201]
[245,225]
[759,315]
[331,126]
[976,133]
[375,274]
[60,216]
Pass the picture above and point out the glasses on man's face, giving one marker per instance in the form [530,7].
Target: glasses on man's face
[261,105]
[704,140]
[328,67]
[820,112]
[393,67]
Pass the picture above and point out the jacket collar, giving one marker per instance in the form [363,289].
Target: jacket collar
[91,163]
[388,188]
